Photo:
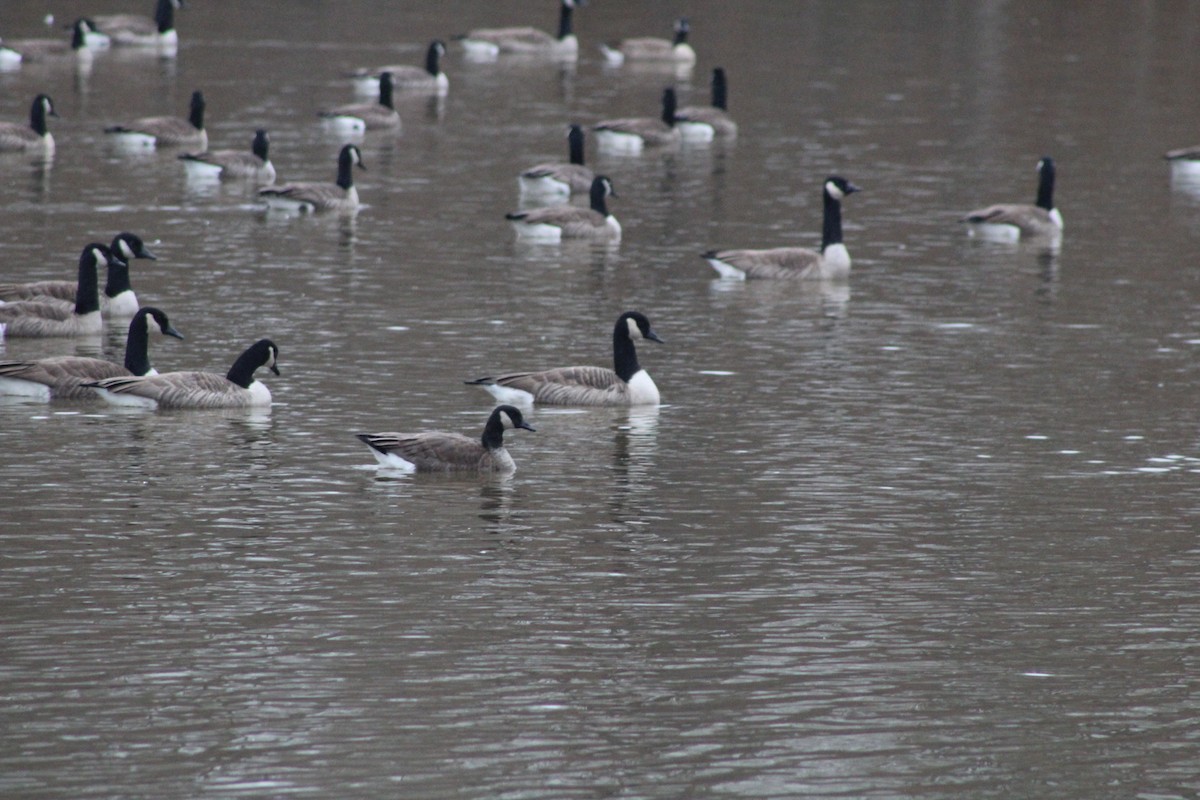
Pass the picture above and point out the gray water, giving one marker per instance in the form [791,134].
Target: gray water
[929,535]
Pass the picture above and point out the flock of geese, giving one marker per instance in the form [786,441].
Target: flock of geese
[64,308]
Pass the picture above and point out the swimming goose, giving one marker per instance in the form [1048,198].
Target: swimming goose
[166,131]
[254,166]
[1183,154]
[1012,221]
[63,377]
[555,223]
[15,137]
[625,385]
[135,30]
[34,320]
[796,263]
[305,197]
[702,123]
[237,389]
[359,117]
[406,77]
[557,178]
[631,134]
[490,42]
[16,51]
[650,48]
[118,299]
[439,451]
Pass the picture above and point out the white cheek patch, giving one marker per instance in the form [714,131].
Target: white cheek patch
[833,190]
[506,420]
[634,331]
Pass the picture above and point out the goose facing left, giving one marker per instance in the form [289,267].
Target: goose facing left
[490,42]
[254,165]
[35,136]
[135,30]
[33,320]
[238,388]
[306,197]
[555,223]
[165,131]
[440,451]
[1011,221]
[359,117]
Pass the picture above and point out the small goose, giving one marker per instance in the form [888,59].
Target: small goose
[254,166]
[490,42]
[703,123]
[237,389]
[63,378]
[439,451]
[555,223]
[631,134]
[305,197]
[34,320]
[650,48]
[118,299]
[359,117]
[166,131]
[557,178]
[406,77]
[14,52]
[15,137]
[625,385]
[135,30]
[796,263]
[1012,221]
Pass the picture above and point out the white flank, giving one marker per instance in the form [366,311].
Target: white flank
[29,390]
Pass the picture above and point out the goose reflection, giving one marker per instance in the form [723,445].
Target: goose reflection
[635,451]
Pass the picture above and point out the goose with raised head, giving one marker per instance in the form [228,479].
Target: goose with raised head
[238,388]
[831,262]
[490,42]
[1011,221]
[359,117]
[165,131]
[36,136]
[63,378]
[118,298]
[632,134]
[627,384]
[135,30]
[17,51]
[555,223]
[253,166]
[651,48]
[440,451]
[315,196]
[429,79]
[703,123]
[33,320]
[557,178]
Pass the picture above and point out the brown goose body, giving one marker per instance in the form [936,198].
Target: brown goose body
[166,131]
[440,451]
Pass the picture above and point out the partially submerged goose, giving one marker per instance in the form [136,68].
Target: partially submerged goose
[439,451]
[63,378]
[650,48]
[555,223]
[832,262]
[135,30]
[631,134]
[556,178]
[627,384]
[1013,220]
[405,77]
[15,137]
[253,166]
[305,197]
[359,117]
[34,320]
[702,123]
[490,42]
[165,131]
[237,389]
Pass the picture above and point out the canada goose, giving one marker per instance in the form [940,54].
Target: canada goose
[702,123]
[1012,221]
[555,223]
[625,385]
[556,178]
[1183,154]
[305,197]
[796,263]
[34,136]
[14,52]
[490,42]
[234,164]
[650,48]
[118,299]
[135,30]
[406,77]
[237,389]
[631,134]
[359,117]
[166,131]
[34,320]
[439,451]
[63,377]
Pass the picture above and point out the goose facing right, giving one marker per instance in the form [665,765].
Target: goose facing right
[631,134]
[315,196]
[1009,221]
[439,451]
[33,320]
[650,48]
[253,166]
[490,42]
[359,117]
[16,51]
[135,30]
[627,384]
[556,178]
[555,223]
[165,131]
[702,123]
[406,77]
[15,137]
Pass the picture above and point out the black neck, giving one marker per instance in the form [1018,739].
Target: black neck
[598,193]
[668,111]
[575,145]
[719,99]
[681,34]
[164,15]
[493,432]
[625,362]
[196,115]
[832,231]
[137,345]
[385,92]
[345,178]
[37,117]
[564,21]
[242,371]
[261,145]
[118,280]
[79,38]
[433,60]
[1045,193]
[87,291]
